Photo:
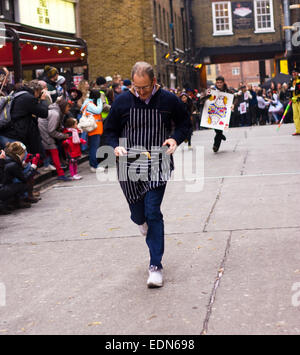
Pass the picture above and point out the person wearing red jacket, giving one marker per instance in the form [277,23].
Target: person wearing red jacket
[72,146]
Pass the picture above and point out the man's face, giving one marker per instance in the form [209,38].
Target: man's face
[295,74]
[219,84]
[143,85]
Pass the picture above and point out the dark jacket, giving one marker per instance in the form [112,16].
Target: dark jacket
[2,165]
[12,169]
[172,110]
[23,108]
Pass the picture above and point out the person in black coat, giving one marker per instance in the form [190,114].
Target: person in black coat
[11,168]
[25,110]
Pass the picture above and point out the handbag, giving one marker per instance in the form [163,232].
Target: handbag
[87,121]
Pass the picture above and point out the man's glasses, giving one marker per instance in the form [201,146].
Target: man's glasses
[140,88]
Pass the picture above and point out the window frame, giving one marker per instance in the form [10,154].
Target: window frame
[216,32]
[236,71]
[266,29]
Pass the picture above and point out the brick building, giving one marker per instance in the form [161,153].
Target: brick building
[235,31]
[119,33]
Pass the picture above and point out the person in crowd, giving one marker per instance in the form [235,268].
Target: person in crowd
[243,97]
[61,87]
[46,93]
[102,85]
[295,89]
[117,89]
[51,76]
[5,86]
[84,88]
[126,85]
[252,105]
[189,106]
[74,99]
[109,81]
[262,108]
[93,106]
[275,107]
[25,110]
[51,129]
[15,182]
[72,146]
[143,117]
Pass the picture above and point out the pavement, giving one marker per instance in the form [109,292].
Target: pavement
[75,264]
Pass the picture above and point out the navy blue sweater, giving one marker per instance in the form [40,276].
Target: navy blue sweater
[172,110]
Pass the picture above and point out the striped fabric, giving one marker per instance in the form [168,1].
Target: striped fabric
[138,173]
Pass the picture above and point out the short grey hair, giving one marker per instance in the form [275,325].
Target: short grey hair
[142,69]
[35,85]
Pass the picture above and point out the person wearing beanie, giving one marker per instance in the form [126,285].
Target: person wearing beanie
[126,85]
[51,76]
[100,81]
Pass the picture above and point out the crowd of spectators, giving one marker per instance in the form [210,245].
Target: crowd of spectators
[44,132]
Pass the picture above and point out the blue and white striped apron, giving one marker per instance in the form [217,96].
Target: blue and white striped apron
[144,132]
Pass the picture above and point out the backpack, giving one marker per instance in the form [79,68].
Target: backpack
[5,109]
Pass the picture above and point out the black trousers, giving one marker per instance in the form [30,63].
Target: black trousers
[218,137]
[12,190]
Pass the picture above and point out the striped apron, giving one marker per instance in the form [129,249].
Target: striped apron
[146,167]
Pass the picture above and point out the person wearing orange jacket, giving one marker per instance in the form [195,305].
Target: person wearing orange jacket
[93,105]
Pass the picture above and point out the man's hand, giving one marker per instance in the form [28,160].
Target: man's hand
[172,145]
[120,151]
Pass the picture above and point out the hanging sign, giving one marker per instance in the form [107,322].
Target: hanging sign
[243,15]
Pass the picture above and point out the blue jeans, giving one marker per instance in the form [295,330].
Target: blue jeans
[94,143]
[84,147]
[148,210]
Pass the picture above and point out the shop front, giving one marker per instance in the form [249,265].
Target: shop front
[44,33]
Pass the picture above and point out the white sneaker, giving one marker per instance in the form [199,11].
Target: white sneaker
[49,168]
[93,170]
[155,277]
[143,229]
[100,169]
[77,177]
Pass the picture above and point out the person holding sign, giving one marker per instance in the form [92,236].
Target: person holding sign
[217,111]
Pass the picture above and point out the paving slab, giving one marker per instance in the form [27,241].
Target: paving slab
[259,291]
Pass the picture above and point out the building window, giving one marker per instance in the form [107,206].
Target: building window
[236,71]
[264,18]
[222,19]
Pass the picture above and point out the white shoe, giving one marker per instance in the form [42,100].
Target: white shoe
[77,177]
[143,229]
[49,168]
[100,169]
[93,170]
[155,277]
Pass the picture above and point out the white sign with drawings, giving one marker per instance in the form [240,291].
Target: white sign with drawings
[217,110]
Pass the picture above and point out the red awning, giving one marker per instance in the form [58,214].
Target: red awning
[33,54]
[42,47]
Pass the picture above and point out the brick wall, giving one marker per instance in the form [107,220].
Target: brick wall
[202,12]
[118,33]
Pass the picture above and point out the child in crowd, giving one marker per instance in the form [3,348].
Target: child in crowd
[72,146]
